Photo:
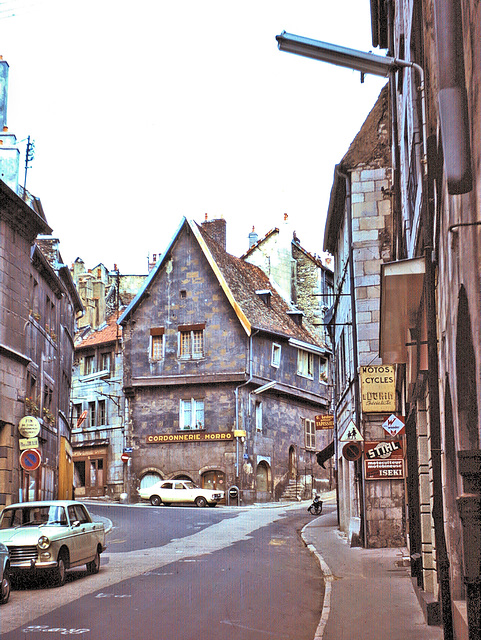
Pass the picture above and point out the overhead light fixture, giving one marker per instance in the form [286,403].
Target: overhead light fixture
[341,56]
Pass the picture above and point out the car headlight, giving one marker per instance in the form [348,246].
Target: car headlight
[43,542]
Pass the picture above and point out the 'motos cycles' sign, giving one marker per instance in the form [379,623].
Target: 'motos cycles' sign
[378,388]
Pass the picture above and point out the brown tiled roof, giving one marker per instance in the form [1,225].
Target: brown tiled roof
[243,280]
[111,332]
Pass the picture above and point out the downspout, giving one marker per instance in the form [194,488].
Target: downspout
[244,384]
[397,219]
[355,358]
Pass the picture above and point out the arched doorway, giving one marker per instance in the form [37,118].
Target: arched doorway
[292,462]
[263,477]
[149,479]
[466,377]
[213,479]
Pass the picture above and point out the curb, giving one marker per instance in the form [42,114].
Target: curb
[328,579]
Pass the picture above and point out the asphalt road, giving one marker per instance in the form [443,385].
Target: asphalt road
[180,573]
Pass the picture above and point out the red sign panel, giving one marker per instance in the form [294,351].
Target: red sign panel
[324,422]
[383,460]
[81,418]
[30,459]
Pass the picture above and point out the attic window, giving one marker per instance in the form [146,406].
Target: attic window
[296,315]
[183,293]
[265,296]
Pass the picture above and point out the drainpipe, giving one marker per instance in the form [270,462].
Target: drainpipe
[442,558]
[244,384]
[355,359]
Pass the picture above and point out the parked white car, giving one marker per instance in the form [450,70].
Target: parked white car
[4,574]
[180,491]
[52,536]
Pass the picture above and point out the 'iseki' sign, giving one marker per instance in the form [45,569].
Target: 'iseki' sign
[383,460]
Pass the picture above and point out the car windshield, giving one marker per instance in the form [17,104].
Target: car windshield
[32,516]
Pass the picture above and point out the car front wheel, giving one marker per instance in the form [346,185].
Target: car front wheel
[155,501]
[94,566]
[200,501]
[60,571]
[5,588]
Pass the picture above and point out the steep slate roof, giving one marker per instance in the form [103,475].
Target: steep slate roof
[111,332]
[239,281]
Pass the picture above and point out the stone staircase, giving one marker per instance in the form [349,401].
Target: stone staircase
[292,493]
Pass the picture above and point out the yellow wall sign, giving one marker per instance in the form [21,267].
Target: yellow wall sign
[378,388]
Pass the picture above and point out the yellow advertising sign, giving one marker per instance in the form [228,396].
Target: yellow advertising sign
[378,388]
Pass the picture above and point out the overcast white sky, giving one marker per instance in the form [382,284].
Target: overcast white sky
[145,111]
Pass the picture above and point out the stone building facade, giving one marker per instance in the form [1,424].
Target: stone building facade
[98,401]
[358,234]
[435,340]
[38,309]
[222,376]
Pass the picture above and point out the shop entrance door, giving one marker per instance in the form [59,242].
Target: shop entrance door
[214,480]
[96,487]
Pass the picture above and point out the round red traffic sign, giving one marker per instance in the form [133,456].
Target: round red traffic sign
[30,459]
[352,451]
[125,457]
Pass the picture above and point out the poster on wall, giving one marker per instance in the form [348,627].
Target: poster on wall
[378,388]
[384,460]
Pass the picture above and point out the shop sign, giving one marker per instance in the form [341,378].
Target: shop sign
[394,425]
[324,422]
[378,388]
[29,427]
[172,438]
[383,460]
[28,443]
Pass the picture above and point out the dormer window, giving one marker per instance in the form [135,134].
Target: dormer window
[296,315]
[265,295]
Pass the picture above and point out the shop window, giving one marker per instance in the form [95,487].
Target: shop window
[276,355]
[305,363]
[310,434]
[191,414]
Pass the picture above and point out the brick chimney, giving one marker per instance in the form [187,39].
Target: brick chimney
[216,230]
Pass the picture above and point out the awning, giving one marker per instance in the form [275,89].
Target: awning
[325,454]
[401,293]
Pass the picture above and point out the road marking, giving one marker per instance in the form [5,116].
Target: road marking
[276,542]
[113,595]
[44,628]
[241,626]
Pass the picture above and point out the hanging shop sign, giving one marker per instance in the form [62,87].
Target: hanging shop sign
[173,438]
[324,422]
[394,425]
[378,388]
[383,460]
[29,427]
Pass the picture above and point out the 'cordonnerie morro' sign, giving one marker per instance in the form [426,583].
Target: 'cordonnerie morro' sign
[171,438]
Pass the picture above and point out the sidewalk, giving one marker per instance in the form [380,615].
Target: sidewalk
[369,594]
